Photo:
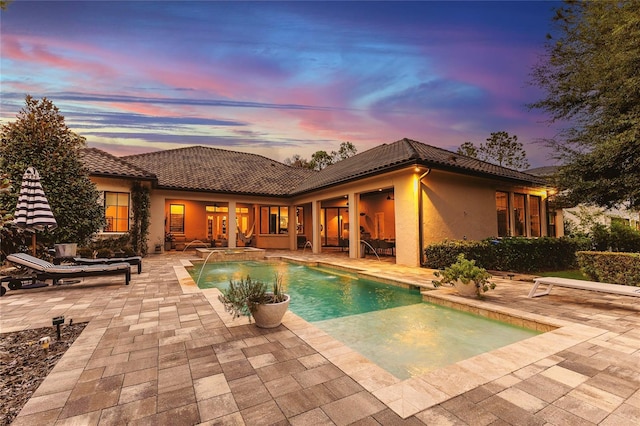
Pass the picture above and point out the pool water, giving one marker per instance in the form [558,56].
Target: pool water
[316,293]
[389,325]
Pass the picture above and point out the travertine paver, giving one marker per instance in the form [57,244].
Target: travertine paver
[161,351]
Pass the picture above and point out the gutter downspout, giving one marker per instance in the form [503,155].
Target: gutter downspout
[421,217]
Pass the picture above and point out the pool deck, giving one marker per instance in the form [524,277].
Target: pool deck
[162,351]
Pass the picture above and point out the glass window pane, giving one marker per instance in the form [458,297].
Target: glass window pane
[284,220]
[176,218]
[116,209]
[502,209]
[534,213]
[519,215]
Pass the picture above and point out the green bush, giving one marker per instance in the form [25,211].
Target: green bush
[104,253]
[610,267]
[624,238]
[617,237]
[85,252]
[510,254]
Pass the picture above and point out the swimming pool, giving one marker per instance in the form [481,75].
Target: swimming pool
[390,325]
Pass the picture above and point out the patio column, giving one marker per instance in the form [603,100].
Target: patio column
[315,226]
[232,226]
[354,226]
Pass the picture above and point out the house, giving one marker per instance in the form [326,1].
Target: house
[406,194]
[582,217]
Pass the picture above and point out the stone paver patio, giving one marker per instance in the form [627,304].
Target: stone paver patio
[161,351]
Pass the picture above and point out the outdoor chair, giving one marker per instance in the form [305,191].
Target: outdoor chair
[44,270]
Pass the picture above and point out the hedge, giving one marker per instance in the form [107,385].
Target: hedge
[515,254]
[610,267]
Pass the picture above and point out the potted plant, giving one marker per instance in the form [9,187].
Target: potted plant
[467,278]
[168,241]
[250,298]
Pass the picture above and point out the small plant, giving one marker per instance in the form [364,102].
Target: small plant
[242,297]
[465,271]
[278,290]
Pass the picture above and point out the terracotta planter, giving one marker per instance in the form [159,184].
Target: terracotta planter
[269,315]
[467,290]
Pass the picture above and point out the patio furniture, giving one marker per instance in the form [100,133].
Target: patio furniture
[131,260]
[625,290]
[44,270]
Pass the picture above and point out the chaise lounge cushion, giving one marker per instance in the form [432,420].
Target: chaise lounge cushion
[47,270]
[132,260]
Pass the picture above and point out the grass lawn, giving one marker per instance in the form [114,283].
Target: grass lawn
[571,273]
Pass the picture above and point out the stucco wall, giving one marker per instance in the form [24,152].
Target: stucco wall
[457,207]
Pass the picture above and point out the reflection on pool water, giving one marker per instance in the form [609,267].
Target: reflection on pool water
[387,324]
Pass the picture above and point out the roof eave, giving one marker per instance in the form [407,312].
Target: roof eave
[419,162]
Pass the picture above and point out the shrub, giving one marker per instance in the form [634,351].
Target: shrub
[610,267]
[104,253]
[85,252]
[510,254]
[624,238]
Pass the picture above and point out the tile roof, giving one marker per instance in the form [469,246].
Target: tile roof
[101,163]
[199,168]
[403,153]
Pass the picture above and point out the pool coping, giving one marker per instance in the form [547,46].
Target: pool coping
[410,396]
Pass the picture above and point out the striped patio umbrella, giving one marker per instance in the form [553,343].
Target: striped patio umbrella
[33,212]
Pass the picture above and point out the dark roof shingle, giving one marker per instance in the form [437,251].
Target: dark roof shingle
[403,153]
[101,163]
[200,168]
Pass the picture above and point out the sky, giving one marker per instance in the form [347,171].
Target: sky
[279,78]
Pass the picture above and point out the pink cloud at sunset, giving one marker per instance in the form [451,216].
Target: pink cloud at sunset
[296,77]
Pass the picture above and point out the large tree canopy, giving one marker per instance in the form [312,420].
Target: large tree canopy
[591,78]
[40,138]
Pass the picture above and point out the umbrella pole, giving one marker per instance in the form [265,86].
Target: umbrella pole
[33,243]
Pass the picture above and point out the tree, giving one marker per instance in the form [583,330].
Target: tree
[322,159]
[297,161]
[591,82]
[346,150]
[40,138]
[501,149]
[468,149]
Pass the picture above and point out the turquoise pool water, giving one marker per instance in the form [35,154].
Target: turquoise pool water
[389,325]
[316,293]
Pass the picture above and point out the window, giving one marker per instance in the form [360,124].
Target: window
[176,218]
[534,213]
[116,208]
[519,229]
[502,209]
[274,220]
[551,224]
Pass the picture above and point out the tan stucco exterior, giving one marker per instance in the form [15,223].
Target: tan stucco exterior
[404,206]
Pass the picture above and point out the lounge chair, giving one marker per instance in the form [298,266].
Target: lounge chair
[132,260]
[44,270]
[626,290]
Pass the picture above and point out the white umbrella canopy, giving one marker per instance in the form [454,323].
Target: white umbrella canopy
[33,212]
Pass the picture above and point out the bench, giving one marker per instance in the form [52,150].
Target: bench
[625,290]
